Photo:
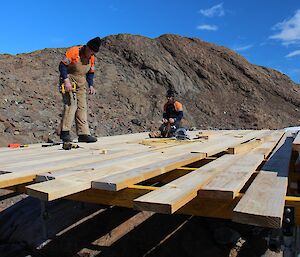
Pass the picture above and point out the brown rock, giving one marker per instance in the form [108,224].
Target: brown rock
[132,76]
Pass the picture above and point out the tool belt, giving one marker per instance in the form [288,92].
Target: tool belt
[62,88]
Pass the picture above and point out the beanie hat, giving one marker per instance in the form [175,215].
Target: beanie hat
[94,44]
[170,93]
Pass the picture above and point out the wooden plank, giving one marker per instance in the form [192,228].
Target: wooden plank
[122,180]
[223,143]
[56,151]
[60,154]
[244,147]
[81,170]
[66,185]
[207,134]
[81,181]
[47,165]
[28,173]
[117,139]
[263,203]
[266,148]
[163,149]
[179,192]
[4,150]
[228,184]
[82,162]
[267,136]
[120,141]
[296,143]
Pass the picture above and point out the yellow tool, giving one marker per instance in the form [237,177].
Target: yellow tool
[69,146]
[63,90]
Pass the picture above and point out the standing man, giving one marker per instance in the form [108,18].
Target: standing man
[77,69]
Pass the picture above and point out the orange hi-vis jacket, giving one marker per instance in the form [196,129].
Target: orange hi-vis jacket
[174,110]
[72,57]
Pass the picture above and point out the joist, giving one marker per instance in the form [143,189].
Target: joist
[199,206]
[296,143]
[172,196]
[294,201]
[263,202]
[124,198]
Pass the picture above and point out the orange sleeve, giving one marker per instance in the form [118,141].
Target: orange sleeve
[178,106]
[92,69]
[71,56]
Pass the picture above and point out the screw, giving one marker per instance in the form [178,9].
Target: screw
[288,210]
[287,220]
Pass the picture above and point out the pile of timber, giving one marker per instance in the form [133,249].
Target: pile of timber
[237,174]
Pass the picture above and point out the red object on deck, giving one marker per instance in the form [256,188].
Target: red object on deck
[14,145]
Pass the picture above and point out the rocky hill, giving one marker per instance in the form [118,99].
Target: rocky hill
[218,87]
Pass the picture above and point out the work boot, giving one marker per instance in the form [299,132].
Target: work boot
[87,139]
[65,136]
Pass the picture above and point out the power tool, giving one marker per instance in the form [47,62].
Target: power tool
[63,89]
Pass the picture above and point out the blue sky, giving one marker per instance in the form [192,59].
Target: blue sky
[266,32]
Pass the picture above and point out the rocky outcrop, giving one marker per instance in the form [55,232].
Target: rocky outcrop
[218,88]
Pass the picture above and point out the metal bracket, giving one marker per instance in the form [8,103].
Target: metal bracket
[288,222]
[288,231]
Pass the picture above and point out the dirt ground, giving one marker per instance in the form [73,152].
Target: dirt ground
[85,230]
